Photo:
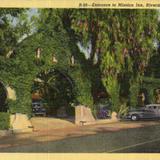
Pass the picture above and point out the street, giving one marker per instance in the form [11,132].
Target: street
[133,140]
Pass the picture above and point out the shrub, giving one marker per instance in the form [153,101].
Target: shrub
[4,120]
[123,110]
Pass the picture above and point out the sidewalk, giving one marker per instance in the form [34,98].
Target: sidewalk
[54,134]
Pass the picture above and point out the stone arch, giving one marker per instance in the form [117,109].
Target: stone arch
[63,73]
[23,69]
[69,92]
[48,84]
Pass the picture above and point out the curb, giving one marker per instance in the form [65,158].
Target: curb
[4,133]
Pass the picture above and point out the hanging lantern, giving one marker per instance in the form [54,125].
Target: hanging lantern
[38,53]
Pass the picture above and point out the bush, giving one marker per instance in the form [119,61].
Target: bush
[123,110]
[4,120]
[22,105]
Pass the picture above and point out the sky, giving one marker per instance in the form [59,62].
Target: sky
[32,11]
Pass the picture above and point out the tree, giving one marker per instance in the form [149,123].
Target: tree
[13,26]
[120,42]
[123,42]
[53,22]
[121,45]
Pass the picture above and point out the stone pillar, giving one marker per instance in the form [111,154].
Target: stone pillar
[114,116]
[83,115]
[20,123]
[11,93]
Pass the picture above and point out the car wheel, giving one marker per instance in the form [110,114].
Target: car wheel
[134,117]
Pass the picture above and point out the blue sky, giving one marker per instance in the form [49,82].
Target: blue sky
[32,11]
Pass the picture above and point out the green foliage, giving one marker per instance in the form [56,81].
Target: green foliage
[12,28]
[82,88]
[153,69]
[123,110]
[113,89]
[151,83]
[19,72]
[4,120]
[123,41]
[134,90]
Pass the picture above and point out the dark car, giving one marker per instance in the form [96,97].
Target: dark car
[150,111]
[38,108]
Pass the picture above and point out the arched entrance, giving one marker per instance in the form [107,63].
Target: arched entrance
[56,89]
[3,97]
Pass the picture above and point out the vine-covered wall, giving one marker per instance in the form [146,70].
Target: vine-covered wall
[20,71]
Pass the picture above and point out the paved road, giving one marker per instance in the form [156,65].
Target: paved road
[139,140]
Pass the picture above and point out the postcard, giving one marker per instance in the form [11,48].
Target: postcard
[79,79]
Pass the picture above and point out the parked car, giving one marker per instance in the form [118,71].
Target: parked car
[150,111]
[38,108]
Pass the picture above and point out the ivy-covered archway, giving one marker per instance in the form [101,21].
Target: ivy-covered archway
[55,88]
[56,52]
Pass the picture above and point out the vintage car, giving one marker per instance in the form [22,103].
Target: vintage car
[38,109]
[150,111]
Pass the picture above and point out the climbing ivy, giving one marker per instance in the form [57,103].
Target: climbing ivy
[123,41]
[20,71]
[121,45]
